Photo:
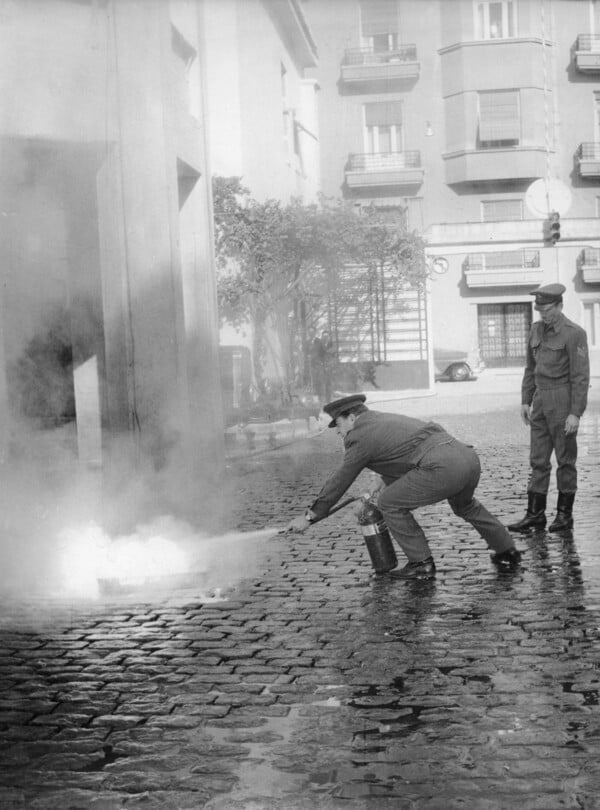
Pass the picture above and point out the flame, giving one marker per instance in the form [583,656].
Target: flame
[89,555]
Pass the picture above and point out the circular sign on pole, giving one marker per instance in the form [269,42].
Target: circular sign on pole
[439,264]
[544,196]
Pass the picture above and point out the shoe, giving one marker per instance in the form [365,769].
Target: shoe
[535,516]
[507,560]
[424,569]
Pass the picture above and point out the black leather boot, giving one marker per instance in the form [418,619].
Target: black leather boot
[425,569]
[535,516]
[563,522]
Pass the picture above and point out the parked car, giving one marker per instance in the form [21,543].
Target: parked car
[456,366]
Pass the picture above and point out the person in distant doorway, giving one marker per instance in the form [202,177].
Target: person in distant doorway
[553,396]
[328,364]
[315,362]
[419,463]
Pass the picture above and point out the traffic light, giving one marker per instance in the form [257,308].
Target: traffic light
[554,227]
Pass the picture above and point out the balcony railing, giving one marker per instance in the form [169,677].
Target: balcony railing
[589,151]
[498,234]
[590,257]
[506,268]
[367,69]
[367,56]
[587,53]
[588,42]
[385,160]
[384,169]
[588,158]
[503,260]
[590,265]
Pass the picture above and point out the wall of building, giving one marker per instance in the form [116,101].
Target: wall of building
[257,92]
[109,212]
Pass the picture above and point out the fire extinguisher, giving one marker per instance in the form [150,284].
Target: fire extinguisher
[376,536]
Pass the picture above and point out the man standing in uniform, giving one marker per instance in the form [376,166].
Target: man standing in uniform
[419,464]
[553,396]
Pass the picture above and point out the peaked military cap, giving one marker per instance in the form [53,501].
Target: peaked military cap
[340,406]
[549,294]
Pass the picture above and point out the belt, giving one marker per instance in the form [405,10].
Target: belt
[552,387]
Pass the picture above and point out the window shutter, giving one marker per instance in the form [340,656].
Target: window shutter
[379,17]
[499,118]
[383,113]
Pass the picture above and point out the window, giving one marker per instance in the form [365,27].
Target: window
[495,20]
[591,322]
[379,24]
[499,119]
[188,77]
[383,123]
[501,210]
[288,121]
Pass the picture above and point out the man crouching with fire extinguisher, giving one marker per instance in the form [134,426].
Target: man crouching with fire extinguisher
[419,464]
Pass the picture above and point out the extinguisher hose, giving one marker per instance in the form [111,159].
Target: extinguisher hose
[337,508]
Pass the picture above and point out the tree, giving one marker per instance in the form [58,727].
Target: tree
[277,263]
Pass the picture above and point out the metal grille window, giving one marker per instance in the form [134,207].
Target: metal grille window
[383,123]
[495,20]
[377,318]
[499,118]
[503,331]
[501,210]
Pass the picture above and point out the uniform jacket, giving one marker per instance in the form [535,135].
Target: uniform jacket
[557,356]
[387,443]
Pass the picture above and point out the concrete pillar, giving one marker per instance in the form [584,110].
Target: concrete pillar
[156,257]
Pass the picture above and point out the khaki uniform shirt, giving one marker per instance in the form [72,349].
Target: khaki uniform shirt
[557,356]
[387,443]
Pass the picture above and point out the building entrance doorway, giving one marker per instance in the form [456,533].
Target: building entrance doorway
[503,331]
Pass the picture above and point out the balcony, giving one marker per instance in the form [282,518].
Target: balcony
[588,159]
[590,265]
[461,234]
[587,53]
[507,268]
[384,170]
[499,163]
[365,66]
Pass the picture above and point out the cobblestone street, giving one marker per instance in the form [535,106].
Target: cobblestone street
[314,684]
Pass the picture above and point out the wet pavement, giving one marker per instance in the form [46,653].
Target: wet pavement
[314,684]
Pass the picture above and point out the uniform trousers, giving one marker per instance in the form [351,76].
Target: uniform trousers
[447,470]
[549,410]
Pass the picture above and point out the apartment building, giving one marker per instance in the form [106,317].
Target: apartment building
[262,124]
[261,97]
[470,121]
[106,220]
